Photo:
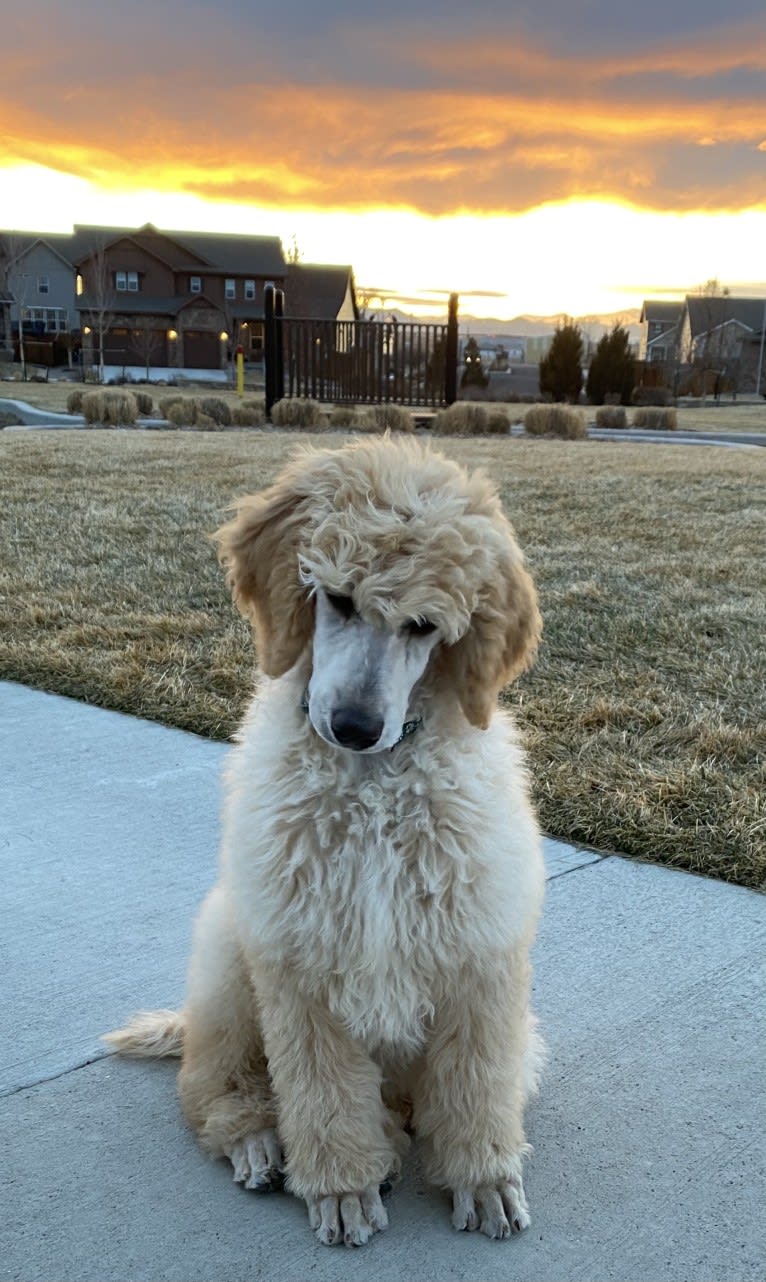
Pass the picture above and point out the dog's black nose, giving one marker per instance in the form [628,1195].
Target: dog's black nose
[355,729]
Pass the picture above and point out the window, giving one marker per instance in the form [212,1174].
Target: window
[45,320]
[249,290]
[195,284]
[231,287]
[126,281]
[42,284]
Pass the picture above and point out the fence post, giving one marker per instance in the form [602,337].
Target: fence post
[269,346]
[450,363]
[279,344]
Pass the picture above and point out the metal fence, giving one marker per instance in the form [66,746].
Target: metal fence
[359,362]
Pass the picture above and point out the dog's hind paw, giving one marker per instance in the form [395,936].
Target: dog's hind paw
[496,1209]
[347,1217]
[258,1161]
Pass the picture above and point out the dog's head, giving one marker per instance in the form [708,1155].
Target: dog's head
[391,561]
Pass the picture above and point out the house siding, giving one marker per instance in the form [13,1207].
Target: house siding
[165,270]
[40,260]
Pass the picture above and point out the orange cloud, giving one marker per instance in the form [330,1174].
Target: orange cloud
[543,126]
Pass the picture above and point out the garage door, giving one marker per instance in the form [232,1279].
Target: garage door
[118,348]
[149,346]
[202,349]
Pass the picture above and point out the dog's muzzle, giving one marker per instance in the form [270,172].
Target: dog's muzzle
[355,729]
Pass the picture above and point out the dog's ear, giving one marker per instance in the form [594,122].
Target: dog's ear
[260,549]
[501,641]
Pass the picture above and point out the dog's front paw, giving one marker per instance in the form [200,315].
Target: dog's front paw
[496,1209]
[258,1161]
[347,1217]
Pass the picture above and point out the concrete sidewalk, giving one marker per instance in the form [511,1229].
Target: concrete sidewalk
[648,1134]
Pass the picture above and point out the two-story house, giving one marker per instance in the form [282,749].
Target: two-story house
[723,335]
[176,299]
[659,331]
[141,297]
[37,281]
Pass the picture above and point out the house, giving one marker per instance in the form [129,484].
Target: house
[145,297]
[174,299]
[721,337]
[659,331]
[6,332]
[320,291]
[37,281]
[718,325]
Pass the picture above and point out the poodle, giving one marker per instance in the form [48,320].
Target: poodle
[360,972]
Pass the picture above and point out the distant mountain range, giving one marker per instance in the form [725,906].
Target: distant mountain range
[525,326]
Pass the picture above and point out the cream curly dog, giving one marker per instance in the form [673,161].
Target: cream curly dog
[362,966]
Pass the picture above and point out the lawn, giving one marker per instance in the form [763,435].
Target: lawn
[732,416]
[644,716]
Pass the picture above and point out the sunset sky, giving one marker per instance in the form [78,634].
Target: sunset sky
[548,157]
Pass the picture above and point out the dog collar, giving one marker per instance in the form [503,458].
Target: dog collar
[408,728]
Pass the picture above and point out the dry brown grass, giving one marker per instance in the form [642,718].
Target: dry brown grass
[643,716]
[657,418]
[727,416]
[734,416]
[613,416]
[299,411]
[566,421]
[466,418]
[54,396]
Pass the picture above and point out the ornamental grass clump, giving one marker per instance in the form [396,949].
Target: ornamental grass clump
[216,408]
[92,407]
[656,418]
[347,416]
[250,412]
[563,421]
[109,409]
[182,413]
[145,404]
[498,423]
[386,418]
[167,402]
[299,411]
[611,416]
[120,409]
[464,418]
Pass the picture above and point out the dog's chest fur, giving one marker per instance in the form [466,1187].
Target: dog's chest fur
[374,879]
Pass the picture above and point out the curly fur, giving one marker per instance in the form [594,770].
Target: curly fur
[364,956]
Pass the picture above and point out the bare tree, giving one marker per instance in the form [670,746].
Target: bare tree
[6,328]
[294,253]
[146,340]
[16,283]
[715,352]
[235,332]
[98,288]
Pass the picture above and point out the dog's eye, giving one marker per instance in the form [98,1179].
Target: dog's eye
[343,604]
[419,627]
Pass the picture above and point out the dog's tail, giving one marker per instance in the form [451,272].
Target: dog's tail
[153,1034]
